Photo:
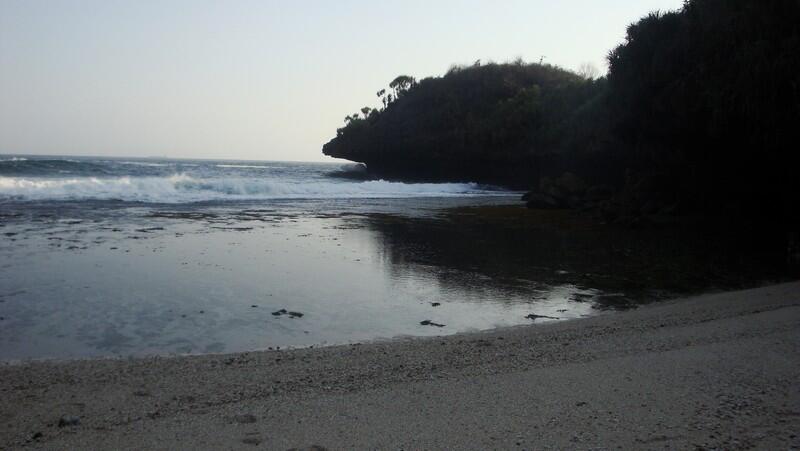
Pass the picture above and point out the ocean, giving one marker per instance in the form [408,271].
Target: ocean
[115,257]
[163,181]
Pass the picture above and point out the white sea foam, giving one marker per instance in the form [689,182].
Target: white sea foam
[181,188]
[248,166]
[14,159]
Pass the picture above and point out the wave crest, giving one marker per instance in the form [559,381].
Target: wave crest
[181,188]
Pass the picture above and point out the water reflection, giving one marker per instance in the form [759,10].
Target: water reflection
[512,249]
[132,281]
[465,250]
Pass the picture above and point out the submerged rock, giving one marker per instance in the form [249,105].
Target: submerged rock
[542,201]
[428,322]
[571,183]
[598,193]
[534,316]
[283,311]
[569,191]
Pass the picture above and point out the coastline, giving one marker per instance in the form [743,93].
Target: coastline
[717,370]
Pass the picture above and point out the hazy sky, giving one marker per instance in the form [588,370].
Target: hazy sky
[256,79]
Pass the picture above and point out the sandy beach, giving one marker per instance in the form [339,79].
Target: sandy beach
[718,371]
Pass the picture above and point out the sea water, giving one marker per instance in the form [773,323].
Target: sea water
[124,256]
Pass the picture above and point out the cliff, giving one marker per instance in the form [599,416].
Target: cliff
[698,113]
[493,123]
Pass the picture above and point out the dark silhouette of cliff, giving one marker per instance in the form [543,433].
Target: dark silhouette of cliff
[699,113]
[494,123]
[706,103]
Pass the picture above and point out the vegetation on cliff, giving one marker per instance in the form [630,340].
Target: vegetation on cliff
[699,112]
[706,102]
[484,122]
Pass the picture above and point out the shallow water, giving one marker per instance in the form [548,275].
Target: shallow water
[155,280]
[91,272]
[116,257]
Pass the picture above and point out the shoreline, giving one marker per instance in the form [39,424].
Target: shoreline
[457,391]
[399,339]
[381,341]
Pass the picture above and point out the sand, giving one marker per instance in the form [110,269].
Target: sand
[714,371]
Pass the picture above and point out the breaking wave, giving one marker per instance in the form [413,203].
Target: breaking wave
[248,166]
[182,188]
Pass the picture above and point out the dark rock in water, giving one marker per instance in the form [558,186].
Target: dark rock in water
[574,201]
[283,311]
[435,304]
[534,316]
[565,191]
[309,448]
[245,419]
[542,201]
[428,322]
[149,229]
[571,184]
[597,193]
[68,420]
[37,435]
[254,306]
[550,187]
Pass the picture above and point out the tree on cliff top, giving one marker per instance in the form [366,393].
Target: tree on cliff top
[402,84]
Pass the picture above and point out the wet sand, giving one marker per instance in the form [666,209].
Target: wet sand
[714,371]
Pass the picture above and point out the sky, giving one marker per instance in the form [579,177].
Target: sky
[256,80]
